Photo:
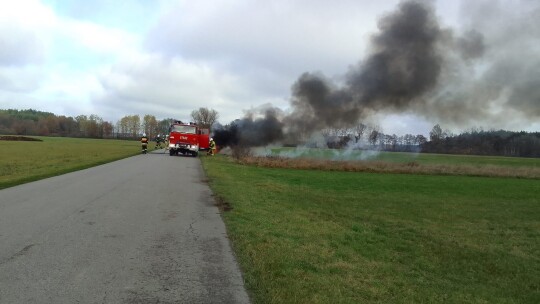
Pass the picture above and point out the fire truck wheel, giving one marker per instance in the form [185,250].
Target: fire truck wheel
[171,152]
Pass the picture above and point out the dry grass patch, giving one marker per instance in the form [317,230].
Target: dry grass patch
[18,138]
[389,167]
[222,204]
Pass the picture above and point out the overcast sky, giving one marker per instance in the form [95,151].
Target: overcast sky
[167,58]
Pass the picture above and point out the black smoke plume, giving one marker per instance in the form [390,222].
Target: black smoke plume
[471,45]
[416,65]
[251,130]
[404,65]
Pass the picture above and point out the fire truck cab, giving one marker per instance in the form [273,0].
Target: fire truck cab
[187,138]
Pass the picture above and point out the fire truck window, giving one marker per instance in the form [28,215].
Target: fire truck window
[184,129]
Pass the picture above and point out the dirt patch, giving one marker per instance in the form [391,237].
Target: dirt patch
[223,205]
[18,138]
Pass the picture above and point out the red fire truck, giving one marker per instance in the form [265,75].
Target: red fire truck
[187,138]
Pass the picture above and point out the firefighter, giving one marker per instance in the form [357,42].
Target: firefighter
[212,148]
[159,141]
[144,143]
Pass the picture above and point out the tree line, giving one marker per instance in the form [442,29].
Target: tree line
[33,122]
[372,137]
[362,136]
[471,142]
[481,142]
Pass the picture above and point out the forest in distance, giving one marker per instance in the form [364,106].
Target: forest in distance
[472,142]
[33,122]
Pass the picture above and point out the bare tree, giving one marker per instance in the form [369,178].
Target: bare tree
[359,131]
[93,126]
[374,136]
[135,125]
[436,133]
[82,121]
[163,125]
[107,128]
[122,126]
[130,125]
[205,117]
[150,125]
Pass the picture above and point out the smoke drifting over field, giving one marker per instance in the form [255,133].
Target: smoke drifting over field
[405,64]
[251,130]
[416,65]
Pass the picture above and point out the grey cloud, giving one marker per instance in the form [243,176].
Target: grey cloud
[167,88]
[283,36]
[21,50]
[19,79]
[19,47]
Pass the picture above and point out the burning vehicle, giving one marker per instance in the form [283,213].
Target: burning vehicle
[187,138]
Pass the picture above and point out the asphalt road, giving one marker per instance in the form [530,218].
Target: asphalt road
[140,230]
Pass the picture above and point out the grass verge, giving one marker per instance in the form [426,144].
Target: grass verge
[313,236]
[26,161]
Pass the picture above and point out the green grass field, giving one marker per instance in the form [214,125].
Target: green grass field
[316,236]
[312,236]
[25,161]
